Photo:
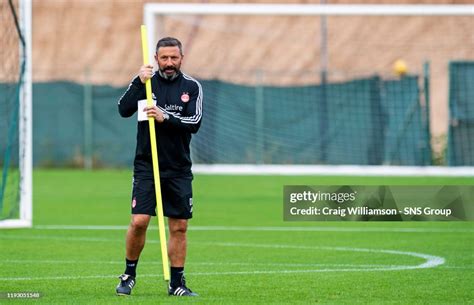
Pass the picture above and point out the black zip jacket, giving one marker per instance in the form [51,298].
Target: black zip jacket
[181,99]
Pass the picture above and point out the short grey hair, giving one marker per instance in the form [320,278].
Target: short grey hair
[169,42]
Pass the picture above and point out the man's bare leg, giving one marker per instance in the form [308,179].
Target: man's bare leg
[136,235]
[177,254]
[135,241]
[177,241]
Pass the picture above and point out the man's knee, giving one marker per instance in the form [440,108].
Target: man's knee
[178,226]
[139,223]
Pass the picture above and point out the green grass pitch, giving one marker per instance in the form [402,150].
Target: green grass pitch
[240,250]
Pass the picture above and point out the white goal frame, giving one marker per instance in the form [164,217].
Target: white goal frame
[152,10]
[25,127]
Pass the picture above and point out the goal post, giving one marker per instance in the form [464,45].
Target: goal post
[26,120]
[16,183]
[169,19]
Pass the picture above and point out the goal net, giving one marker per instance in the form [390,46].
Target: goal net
[15,149]
[359,85]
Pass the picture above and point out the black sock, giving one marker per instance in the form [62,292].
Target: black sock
[131,267]
[176,276]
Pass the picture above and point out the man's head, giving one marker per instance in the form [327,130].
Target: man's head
[169,55]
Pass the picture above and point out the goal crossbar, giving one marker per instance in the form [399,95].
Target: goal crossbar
[150,10]
[308,9]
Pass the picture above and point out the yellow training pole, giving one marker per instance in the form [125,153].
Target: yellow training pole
[156,171]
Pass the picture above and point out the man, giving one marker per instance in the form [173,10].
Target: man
[177,113]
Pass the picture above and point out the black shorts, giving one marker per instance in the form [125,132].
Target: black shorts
[176,194]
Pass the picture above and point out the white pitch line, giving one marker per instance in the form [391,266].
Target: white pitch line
[82,227]
[59,262]
[65,238]
[430,261]
[264,229]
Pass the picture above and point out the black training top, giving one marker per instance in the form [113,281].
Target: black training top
[181,99]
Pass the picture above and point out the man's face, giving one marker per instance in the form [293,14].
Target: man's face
[169,60]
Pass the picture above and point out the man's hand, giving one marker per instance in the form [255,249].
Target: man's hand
[154,112]
[145,73]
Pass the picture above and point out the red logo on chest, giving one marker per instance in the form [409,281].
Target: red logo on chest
[185,97]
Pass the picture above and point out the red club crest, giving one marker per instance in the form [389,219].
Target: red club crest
[185,97]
